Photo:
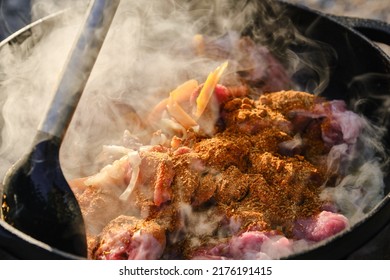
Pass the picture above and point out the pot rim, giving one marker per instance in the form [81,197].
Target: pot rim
[32,241]
[28,27]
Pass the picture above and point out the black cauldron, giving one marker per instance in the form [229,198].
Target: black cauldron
[352,39]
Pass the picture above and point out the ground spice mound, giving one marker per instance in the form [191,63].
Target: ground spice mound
[254,182]
[260,172]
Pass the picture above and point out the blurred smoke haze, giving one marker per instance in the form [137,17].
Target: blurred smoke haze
[138,65]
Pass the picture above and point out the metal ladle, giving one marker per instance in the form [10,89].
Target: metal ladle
[36,198]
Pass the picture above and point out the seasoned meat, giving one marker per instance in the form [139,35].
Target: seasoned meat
[153,184]
[243,115]
[224,150]
[256,244]
[288,101]
[248,245]
[98,195]
[128,238]
[255,183]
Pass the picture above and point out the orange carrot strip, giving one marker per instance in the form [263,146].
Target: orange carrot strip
[208,89]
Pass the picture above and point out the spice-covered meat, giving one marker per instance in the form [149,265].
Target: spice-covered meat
[98,195]
[256,244]
[252,185]
[248,245]
[249,117]
[224,150]
[152,184]
[288,101]
[128,238]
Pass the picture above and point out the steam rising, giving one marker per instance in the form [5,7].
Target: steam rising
[144,57]
[28,74]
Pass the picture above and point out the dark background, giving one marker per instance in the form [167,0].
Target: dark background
[14,14]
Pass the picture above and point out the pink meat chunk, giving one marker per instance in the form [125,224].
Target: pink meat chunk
[129,238]
[341,123]
[162,187]
[248,245]
[155,177]
[325,225]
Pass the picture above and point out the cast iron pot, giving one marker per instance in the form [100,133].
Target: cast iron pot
[353,41]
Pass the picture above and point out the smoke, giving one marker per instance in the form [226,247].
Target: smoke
[361,164]
[28,74]
[147,53]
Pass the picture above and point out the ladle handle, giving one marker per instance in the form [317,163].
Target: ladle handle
[78,67]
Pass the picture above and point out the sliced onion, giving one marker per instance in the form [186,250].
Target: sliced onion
[199,44]
[208,89]
[111,173]
[183,92]
[135,161]
[176,111]
[157,111]
[180,94]
[110,152]
[173,127]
